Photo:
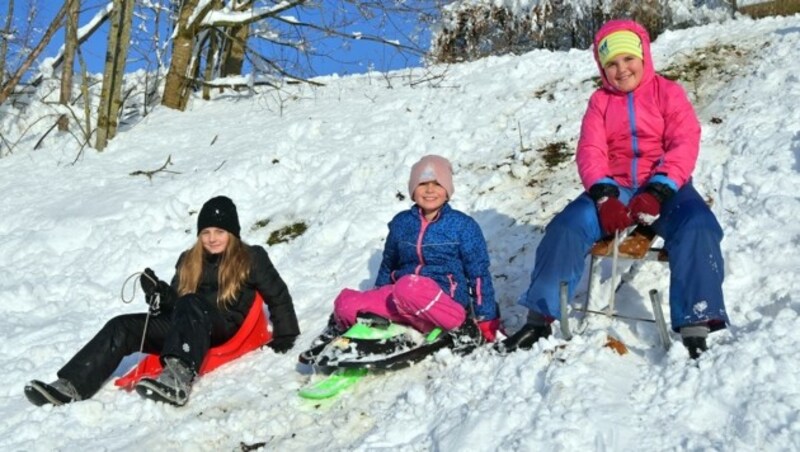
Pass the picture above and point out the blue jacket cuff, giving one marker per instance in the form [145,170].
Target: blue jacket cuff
[663,179]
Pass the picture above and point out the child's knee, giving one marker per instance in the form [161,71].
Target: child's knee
[422,297]
[346,305]
[411,292]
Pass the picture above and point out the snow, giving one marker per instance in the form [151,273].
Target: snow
[337,157]
[682,10]
[233,17]
[741,3]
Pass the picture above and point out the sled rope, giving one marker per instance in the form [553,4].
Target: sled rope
[153,307]
[133,289]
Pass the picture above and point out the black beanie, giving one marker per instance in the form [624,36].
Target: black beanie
[219,212]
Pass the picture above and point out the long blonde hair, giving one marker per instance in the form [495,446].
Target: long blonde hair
[234,269]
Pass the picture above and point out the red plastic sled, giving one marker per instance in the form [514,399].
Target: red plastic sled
[251,335]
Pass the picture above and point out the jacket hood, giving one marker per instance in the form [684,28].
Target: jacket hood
[629,25]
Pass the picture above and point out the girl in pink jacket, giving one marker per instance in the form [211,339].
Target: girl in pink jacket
[638,147]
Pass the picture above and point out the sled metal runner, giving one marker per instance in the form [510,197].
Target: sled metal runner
[637,245]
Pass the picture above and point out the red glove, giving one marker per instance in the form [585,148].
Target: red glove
[489,329]
[645,208]
[613,215]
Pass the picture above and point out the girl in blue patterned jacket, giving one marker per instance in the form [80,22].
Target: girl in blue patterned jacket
[435,267]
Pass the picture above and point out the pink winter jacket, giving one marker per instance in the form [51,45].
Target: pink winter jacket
[631,137]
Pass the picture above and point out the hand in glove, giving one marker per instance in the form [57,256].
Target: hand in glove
[157,293]
[613,215]
[489,329]
[149,282]
[282,344]
[646,206]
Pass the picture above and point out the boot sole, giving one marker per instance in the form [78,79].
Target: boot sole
[40,394]
[152,390]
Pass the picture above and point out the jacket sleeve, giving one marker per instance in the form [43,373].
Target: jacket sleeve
[592,153]
[475,256]
[275,294]
[390,258]
[681,135]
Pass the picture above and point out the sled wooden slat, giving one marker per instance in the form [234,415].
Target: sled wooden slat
[637,245]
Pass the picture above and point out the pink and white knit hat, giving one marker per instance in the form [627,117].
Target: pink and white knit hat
[432,168]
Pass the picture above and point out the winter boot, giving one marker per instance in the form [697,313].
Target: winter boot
[694,339]
[466,337]
[524,339]
[331,332]
[172,386]
[58,392]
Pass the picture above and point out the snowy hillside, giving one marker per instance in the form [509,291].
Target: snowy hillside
[337,159]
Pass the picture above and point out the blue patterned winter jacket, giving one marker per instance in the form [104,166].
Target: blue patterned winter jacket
[450,250]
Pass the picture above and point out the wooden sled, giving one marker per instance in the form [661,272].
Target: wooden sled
[638,245]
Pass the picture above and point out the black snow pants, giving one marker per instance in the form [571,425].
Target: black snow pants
[188,332]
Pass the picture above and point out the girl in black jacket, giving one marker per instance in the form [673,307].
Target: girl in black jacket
[211,293]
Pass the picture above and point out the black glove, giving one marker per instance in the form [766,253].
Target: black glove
[282,344]
[155,290]
[602,190]
[149,281]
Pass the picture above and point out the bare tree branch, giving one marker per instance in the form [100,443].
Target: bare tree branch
[8,88]
[39,141]
[354,36]
[150,174]
[230,19]
[84,33]
[4,42]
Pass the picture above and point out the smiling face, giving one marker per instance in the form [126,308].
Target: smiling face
[624,72]
[214,240]
[430,197]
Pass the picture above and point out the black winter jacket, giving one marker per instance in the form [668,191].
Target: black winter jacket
[263,278]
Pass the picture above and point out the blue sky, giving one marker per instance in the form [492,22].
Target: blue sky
[342,56]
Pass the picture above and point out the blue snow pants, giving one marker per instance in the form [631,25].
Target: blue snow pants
[692,239]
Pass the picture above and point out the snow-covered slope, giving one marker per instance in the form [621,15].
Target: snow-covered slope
[337,158]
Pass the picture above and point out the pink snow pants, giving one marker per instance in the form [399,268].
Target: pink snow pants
[413,300]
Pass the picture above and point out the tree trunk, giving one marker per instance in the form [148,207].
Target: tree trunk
[235,46]
[116,55]
[4,42]
[176,87]
[210,58]
[8,88]
[95,23]
[70,44]
[234,57]
[87,104]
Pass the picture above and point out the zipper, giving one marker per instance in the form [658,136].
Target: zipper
[634,142]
